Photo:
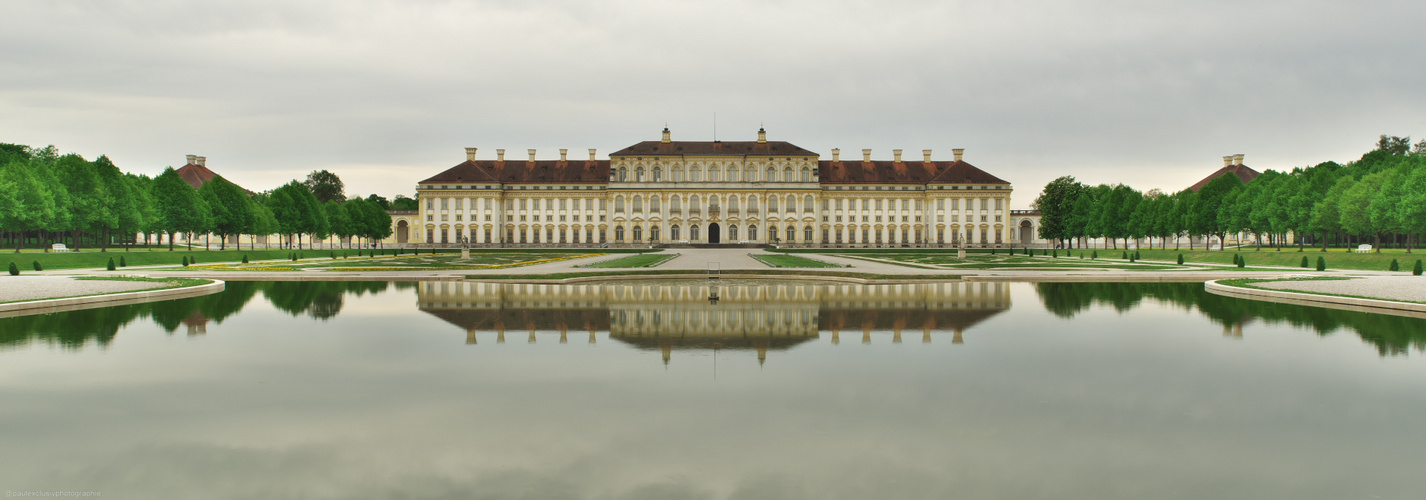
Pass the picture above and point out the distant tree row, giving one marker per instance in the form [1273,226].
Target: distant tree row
[1380,197]
[47,197]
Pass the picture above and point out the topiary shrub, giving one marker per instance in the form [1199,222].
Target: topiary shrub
[334,254]
[1236,258]
[14,269]
[1180,259]
[38,267]
[1138,255]
[245,258]
[301,255]
[185,261]
[1416,271]
[1055,254]
[123,262]
[1012,250]
[1242,261]
[992,251]
[1395,266]
[293,256]
[111,266]
[1304,262]
[1321,263]
[1125,256]
[1094,254]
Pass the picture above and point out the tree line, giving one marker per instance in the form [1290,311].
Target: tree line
[47,197]
[1380,197]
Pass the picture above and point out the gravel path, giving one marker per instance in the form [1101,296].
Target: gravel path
[1405,288]
[18,288]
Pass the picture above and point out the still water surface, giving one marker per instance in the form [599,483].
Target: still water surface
[776,390]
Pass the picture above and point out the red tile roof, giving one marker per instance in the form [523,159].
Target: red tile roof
[198,175]
[770,148]
[525,172]
[1244,174]
[906,172]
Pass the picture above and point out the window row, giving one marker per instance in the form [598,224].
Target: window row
[714,174]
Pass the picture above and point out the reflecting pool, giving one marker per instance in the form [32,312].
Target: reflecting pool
[705,389]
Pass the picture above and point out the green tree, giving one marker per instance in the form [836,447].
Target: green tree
[326,186]
[401,202]
[178,207]
[231,210]
[339,223]
[1203,218]
[1356,209]
[1394,145]
[1055,203]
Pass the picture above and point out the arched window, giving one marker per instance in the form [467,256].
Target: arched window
[619,234]
[638,204]
[807,233]
[653,233]
[693,203]
[639,174]
[654,204]
[753,232]
[693,232]
[752,203]
[733,232]
[638,234]
[623,174]
[772,203]
[619,203]
[771,174]
[791,233]
[787,174]
[791,203]
[658,174]
[732,173]
[673,204]
[807,203]
[673,232]
[732,202]
[713,202]
[678,174]
[806,174]
[713,173]
[695,175]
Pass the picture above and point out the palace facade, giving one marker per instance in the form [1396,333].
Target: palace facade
[713,192]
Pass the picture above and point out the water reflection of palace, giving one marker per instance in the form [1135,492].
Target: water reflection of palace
[702,314]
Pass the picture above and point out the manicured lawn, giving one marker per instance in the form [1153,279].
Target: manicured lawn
[1290,257]
[424,262]
[96,259]
[775,260]
[644,260]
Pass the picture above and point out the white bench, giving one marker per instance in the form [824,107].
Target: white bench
[59,247]
[1364,248]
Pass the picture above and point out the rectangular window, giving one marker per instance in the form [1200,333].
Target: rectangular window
[487,217]
[941,204]
[918,204]
[839,218]
[603,205]
[522,218]
[443,217]
[523,203]
[982,218]
[509,204]
[918,218]
[443,203]
[904,219]
[998,203]
[878,204]
[561,218]
[430,204]
[430,217]
[549,204]
[457,217]
[460,203]
[955,203]
[562,203]
[984,204]
[940,218]
[839,204]
[487,203]
[509,218]
[878,218]
[955,218]
[549,218]
[824,204]
[997,218]
[866,219]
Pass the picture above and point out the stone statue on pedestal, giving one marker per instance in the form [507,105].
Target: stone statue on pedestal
[464,248]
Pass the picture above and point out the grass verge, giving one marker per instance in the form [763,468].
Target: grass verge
[1249,283]
[791,261]
[171,283]
[642,260]
[759,272]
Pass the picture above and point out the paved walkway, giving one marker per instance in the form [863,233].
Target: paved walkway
[1404,288]
[18,288]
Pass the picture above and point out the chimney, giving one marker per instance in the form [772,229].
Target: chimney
[866,155]
[667,138]
[203,160]
[926,155]
[591,154]
[836,154]
[896,153]
[470,154]
[564,154]
[1238,159]
[1228,161]
[532,156]
[192,159]
[762,135]
[958,152]
[499,155]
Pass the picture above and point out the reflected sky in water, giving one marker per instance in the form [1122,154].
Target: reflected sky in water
[773,390]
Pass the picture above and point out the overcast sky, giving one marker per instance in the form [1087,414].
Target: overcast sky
[1151,94]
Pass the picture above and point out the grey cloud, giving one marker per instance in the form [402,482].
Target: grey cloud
[1145,93]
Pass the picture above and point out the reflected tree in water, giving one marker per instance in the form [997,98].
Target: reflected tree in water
[1391,335]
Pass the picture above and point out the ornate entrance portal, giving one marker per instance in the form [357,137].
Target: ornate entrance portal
[713,233]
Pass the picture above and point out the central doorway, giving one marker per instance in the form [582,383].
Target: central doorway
[713,233]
